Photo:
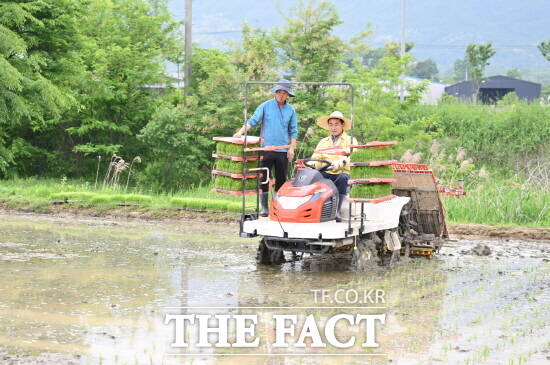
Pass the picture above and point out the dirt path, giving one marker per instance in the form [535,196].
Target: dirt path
[484,230]
[455,229]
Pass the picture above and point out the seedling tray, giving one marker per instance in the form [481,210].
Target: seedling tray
[236,158]
[373,200]
[235,193]
[235,176]
[374,180]
[372,163]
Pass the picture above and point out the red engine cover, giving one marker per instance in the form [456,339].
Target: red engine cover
[309,212]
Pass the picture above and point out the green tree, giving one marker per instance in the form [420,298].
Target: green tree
[426,69]
[460,69]
[513,72]
[256,57]
[39,66]
[544,48]
[179,137]
[128,43]
[309,49]
[478,56]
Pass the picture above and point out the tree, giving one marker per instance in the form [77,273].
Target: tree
[513,72]
[179,138]
[39,65]
[478,56]
[544,48]
[309,49]
[256,57]
[127,45]
[460,70]
[425,69]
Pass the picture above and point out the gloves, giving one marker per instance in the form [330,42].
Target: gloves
[337,165]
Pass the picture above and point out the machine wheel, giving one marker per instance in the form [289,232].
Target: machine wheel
[390,258]
[365,255]
[267,256]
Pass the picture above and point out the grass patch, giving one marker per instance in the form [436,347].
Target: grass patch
[500,203]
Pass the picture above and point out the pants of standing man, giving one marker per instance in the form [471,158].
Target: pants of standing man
[279,161]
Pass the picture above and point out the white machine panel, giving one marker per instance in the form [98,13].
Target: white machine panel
[378,217]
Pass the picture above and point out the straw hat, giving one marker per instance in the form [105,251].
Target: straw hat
[323,121]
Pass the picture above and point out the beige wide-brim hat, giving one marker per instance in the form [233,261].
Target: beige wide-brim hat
[323,121]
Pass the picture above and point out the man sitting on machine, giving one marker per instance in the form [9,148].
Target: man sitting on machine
[338,172]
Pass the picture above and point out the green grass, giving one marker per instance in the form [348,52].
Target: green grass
[197,203]
[500,203]
[368,191]
[365,172]
[487,202]
[38,194]
[371,154]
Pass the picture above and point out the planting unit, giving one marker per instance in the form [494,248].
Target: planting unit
[371,172]
[233,165]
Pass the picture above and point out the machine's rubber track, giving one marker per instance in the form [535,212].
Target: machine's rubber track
[365,255]
[267,256]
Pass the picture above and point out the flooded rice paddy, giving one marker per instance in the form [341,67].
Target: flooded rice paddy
[90,291]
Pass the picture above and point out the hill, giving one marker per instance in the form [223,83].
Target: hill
[441,30]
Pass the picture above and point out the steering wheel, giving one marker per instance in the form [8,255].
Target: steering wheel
[326,164]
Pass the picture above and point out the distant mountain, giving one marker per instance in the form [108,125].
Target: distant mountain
[441,30]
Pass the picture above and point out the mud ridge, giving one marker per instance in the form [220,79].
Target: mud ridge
[456,230]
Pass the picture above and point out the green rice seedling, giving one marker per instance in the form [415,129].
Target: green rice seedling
[365,172]
[179,202]
[235,167]
[134,198]
[72,195]
[234,207]
[101,198]
[228,183]
[370,191]
[233,149]
[371,154]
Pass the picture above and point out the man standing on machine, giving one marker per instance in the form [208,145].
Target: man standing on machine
[336,124]
[280,128]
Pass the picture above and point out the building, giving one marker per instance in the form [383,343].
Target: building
[434,90]
[494,88]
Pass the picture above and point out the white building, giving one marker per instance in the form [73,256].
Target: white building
[434,90]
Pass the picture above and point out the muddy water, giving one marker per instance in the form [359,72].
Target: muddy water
[96,292]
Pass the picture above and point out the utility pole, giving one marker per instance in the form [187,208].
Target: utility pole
[188,40]
[402,52]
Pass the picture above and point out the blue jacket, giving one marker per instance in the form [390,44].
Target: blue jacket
[280,124]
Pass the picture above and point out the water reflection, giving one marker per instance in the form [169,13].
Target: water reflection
[96,292]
